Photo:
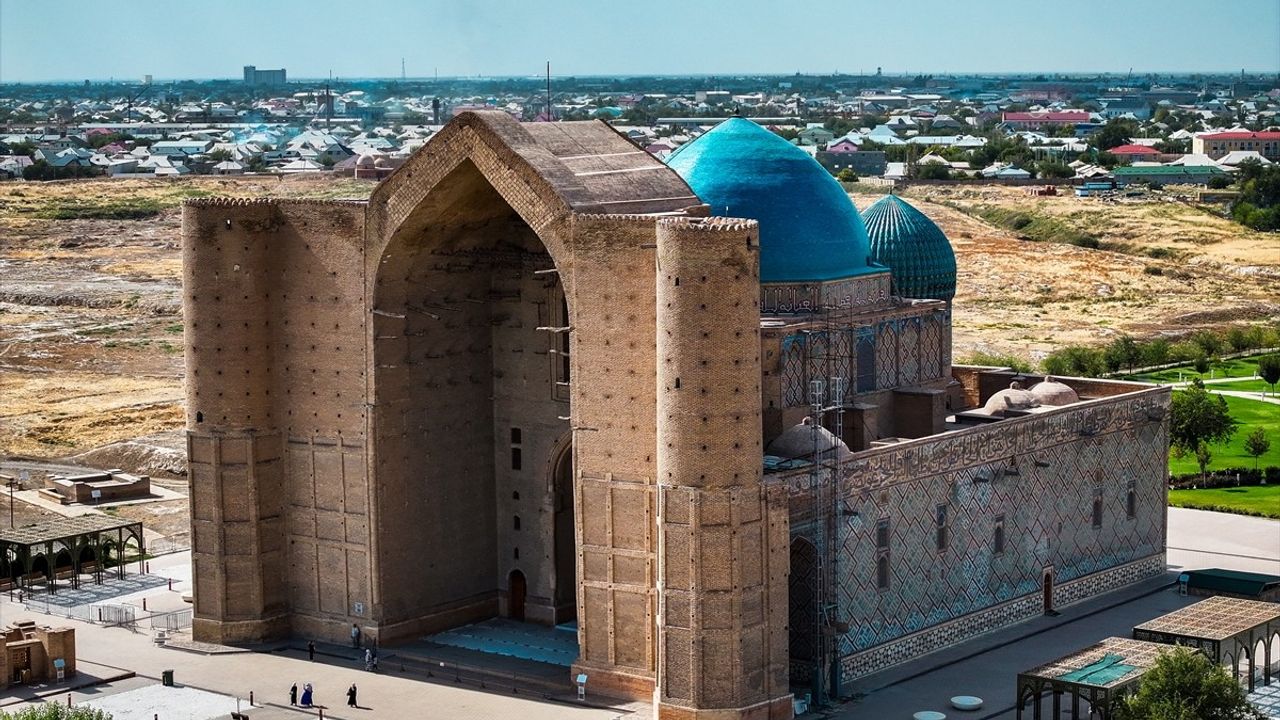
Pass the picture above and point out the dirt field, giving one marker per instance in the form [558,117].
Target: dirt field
[91,327]
[90,311]
[1027,297]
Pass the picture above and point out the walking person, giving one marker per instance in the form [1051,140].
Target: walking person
[307,697]
[351,696]
[368,660]
[375,658]
[355,635]
[293,694]
[311,650]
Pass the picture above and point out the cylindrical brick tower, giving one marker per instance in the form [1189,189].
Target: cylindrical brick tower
[722,555]
[233,440]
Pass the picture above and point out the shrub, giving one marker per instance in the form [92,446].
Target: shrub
[1013,362]
[55,711]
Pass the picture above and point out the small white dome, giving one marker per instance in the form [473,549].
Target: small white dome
[365,161]
[1052,392]
[797,441]
[1012,398]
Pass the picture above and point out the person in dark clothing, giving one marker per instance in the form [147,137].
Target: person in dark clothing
[293,694]
[351,696]
[311,650]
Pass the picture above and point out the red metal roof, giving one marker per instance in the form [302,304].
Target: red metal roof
[1133,150]
[1271,135]
[1061,117]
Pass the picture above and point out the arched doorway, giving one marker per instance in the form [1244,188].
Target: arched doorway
[470,339]
[515,595]
[566,588]
[1047,592]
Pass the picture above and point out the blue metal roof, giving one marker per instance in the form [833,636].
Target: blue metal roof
[809,228]
[914,248]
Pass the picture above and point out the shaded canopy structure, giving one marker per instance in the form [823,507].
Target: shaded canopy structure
[67,546]
[1097,675]
[1231,631]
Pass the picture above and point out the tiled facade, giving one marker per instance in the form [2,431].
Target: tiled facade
[931,508]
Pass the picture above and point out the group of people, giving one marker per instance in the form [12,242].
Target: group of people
[308,696]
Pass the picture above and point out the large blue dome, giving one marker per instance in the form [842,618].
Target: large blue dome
[913,247]
[809,228]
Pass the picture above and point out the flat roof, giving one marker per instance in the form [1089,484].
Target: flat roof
[1136,655]
[62,528]
[1215,618]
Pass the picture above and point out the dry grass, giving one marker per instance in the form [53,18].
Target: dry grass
[1026,298]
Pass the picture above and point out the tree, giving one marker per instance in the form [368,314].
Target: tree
[1201,364]
[56,711]
[1054,169]
[1198,419]
[1256,445]
[933,171]
[220,155]
[1269,370]
[1124,351]
[1115,133]
[847,175]
[1156,352]
[1184,684]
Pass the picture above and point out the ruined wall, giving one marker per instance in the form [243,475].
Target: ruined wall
[271,302]
[1036,478]
[722,569]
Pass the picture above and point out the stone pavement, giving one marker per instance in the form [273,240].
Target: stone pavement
[388,694]
[1204,539]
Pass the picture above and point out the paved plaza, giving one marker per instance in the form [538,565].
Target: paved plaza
[211,683]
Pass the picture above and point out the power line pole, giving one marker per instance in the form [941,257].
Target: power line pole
[549,91]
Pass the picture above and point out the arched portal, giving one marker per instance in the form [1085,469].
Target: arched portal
[470,336]
[566,606]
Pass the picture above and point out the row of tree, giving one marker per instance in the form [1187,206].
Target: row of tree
[1127,353]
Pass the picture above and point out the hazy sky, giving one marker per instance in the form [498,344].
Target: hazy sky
[125,39]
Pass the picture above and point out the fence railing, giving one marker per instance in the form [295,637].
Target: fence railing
[171,544]
[112,615]
[171,621]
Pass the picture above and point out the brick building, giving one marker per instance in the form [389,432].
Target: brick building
[541,375]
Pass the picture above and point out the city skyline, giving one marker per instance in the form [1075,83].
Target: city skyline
[505,38]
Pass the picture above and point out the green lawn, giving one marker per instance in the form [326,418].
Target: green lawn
[1237,367]
[1256,385]
[1249,414]
[1252,500]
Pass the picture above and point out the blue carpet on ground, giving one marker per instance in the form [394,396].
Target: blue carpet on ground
[499,636]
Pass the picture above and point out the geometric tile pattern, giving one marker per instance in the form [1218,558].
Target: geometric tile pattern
[886,355]
[1039,474]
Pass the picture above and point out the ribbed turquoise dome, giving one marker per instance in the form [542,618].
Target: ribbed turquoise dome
[913,247]
[809,228]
